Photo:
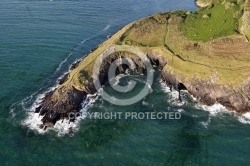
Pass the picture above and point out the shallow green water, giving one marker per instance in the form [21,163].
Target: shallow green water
[40,39]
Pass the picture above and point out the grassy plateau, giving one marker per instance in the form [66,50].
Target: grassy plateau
[208,44]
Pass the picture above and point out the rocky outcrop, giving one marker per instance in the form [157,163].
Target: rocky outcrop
[59,103]
[180,60]
[209,93]
[203,3]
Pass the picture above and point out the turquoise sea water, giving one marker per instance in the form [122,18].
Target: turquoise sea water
[38,42]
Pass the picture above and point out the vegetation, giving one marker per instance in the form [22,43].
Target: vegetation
[147,32]
[222,58]
[86,66]
[212,22]
[245,21]
[202,45]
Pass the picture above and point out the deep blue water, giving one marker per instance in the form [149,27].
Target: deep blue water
[40,39]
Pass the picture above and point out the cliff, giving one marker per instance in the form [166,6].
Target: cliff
[205,52]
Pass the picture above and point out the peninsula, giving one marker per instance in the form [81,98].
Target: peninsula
[206,52]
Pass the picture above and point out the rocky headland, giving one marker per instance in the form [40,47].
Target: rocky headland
[205,52]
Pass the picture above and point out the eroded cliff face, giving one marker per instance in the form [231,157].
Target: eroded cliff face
[67,99]
[208,93]
[212,71]
[59,103]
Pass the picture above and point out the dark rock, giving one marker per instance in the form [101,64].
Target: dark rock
[75,65]
[41,126]
[63,79]
[37,110]
[157,59]
[59,103]
[208,93]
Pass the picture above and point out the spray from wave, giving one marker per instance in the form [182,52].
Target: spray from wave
[214,110]
[62,127]
[33,120]
[245,118]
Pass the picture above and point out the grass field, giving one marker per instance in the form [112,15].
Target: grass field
[203,45]
[212,22]
[147,32]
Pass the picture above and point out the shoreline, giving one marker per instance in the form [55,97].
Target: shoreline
[75,86]
[67,127]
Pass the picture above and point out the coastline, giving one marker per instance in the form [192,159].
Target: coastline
[66,127]
[69,95]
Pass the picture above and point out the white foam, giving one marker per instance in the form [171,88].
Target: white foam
[164,87]
[83,41]
[214,110]
[118,78]
[174,98]
[173,94]
[180,110]
[95,35]
[64,61]
[33,121]
[206,123]
[62,127]
[218,110]
[244,118]
[144,103]
[107,27]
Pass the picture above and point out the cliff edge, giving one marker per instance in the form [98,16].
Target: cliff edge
[205,52]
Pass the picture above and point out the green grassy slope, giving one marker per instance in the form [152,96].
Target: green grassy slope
[212,22]
[202,45]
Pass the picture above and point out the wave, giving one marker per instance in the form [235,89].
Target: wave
[80,45]
[174,95]
[65,127]
[97,34]
[145,103]
[219,110]
[207,123]
[39,94]
[164,87]
[34,100]
[180,110]
[62,127]
[61,64]
[107,27]
[215,110]
[186,97]
[33,120]
[245,118]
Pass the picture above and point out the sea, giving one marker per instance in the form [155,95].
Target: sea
[40,39]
